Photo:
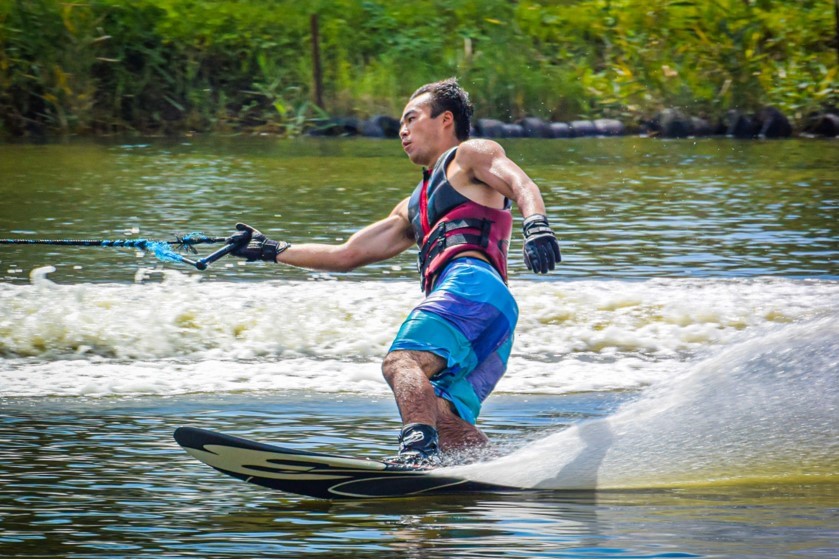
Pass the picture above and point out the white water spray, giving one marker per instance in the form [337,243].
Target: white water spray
[763,410]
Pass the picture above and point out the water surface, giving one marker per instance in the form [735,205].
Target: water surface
[623,208]
[672,390]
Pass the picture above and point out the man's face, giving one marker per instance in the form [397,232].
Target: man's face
[420,133]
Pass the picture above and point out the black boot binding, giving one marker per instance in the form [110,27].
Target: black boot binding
[418,447]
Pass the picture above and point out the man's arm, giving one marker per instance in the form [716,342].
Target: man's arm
[376,242]
[486,162]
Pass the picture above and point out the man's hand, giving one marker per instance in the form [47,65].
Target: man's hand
[254,246]
[541,250]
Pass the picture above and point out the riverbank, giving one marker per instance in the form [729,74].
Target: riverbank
[168,67]
[769,122]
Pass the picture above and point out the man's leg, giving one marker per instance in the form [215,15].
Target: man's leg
[408,372]
[456,433]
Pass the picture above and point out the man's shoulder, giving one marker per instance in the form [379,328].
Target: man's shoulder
[482,145]
[477,150]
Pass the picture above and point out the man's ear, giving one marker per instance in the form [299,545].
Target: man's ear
[448,118]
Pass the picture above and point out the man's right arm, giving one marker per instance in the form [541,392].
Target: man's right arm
[376,242]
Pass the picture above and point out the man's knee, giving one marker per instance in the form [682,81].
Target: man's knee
[399,361]
[391,365]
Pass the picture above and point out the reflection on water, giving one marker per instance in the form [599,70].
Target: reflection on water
[623,207]
[103,478]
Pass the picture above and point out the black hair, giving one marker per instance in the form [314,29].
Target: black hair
[447,95]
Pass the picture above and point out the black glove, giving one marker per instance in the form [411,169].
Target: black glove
[254,246]
[541,250]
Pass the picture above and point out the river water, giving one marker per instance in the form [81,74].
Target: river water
[672,390]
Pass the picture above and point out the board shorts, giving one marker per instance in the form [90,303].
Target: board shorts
[468,319]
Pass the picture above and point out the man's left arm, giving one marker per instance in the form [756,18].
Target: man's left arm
[487,162]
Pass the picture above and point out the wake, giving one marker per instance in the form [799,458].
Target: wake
[762,410]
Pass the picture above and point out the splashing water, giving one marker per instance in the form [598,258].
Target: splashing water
[764,410]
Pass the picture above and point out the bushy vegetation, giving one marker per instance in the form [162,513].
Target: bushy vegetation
[105,66]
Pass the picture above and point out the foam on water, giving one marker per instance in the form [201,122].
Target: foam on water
[763,410]
[185,335]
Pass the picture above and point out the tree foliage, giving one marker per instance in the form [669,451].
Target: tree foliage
[102,66]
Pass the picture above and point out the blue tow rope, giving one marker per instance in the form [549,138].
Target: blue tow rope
[162,250]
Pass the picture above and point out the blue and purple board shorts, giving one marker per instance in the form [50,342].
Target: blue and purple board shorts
[468,319]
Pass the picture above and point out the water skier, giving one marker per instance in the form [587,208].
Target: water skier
[453,348]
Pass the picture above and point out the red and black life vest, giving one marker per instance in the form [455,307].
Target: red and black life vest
[446,223]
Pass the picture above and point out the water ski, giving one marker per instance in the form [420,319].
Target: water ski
[317,474]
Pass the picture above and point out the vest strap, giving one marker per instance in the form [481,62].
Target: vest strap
[474,232]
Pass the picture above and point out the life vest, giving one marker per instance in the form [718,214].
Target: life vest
[446,223]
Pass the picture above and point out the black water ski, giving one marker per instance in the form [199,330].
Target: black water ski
[317,474]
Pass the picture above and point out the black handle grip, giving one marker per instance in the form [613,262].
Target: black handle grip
[202,264]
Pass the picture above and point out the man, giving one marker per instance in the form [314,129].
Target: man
[453,347]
